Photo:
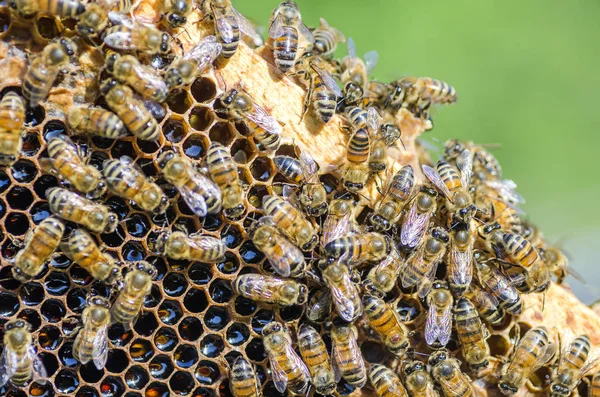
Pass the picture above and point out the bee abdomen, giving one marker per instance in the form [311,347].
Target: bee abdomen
[359,147]
[37,82]
[285,49]
[230,48]
[324,102]
[290,168]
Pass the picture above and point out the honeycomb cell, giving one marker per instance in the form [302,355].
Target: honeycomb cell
[59,262]
[290,313]
[165,339]
[174,130]
[117,361]
[179,101]
[76,300]
[195,300]
[53,128]
[256,194]
[31,145]
[191,329]
[170,312]
[53,310]
[147,147]
[146,324]
[157,389]
[32,317]
[65,354]
[89,373]
[216,318]
[79,275]
[41,390]
[133,251]
[136,377]
[212,345]
[231,357]
[141,350]
[112,386]
[19,198]
[245,177]
[221,291]
[6,279]
[39,212]
[34,116]
[262,169]
[244,306]
[122,148]
[181,383]
[100,289]
[212,223]
[229,265]
[66,381]
[57,283]
[204,392]
[49,337]
[138,225]
[243,151]
[47,27]
[499,345]
[195,146]
[201,118]
[260,319]
[4,181]
[207,372]
[102,143]
[237,334]
[9,304]
[185,356]
[87,391]
[161,367]
[255,350]
[250,254]
[23,171]
[223,133]
[373,352]
[203,89]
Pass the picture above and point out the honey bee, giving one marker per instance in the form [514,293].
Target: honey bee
[420,92]
[137,284]
[385,322]
[91,343]
[243,381]
[92,22]
[127,35]
[460,260]
[314,353]
[359,248]
[485,165]
[81,248]
[472,334]
[399,190]
[291,222]
[126,179]
[72,207]
[344,293]
[121,6]
[143,79]
[493,209]
[130,110]
[533,351]
[340,219]
[446,179]
[355,75]
[575,363]
[195,248]
[446,372]
[44,69]
[39,245]
[176,12]
[383,95]
[198,191]
[285,28]
[556,261]
[266,130]
[486,305]
[287,259]
[287,368]
[62,8]
[417,380]
[326,39]
[95,122]
[390,131]
[303,172]
[319,306]
[228,25]
[346,356]
[271,290]
[19,362]
[378,155]
[594,387]
[359,146]
[438,325]
[499,286]
[12,116]
[509,247]
[420,267]
[66,162]
[223,172]
[385,382]
[417,219]
[184,69]
[384,275]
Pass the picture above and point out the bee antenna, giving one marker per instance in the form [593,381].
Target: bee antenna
[402,142]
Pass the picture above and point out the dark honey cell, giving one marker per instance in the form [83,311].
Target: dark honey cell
[200,273]
[161,367]
[41,389]
[201,118]
[114,239]
[216,318]
[6,278]
[290,313]
[260,319]
[244,306]
[3,209]
[4,181]
[147,147]
[32,317]
[100,289]
[102,143]
[66,381]
[243,151]
[250,254]
[76,300]
[174,131]
[221,291]
[65,355]
[122,148]
[53,310]
[232,236]
[97,159]
[136,377]
[166,339]
[39,212]
[9,304]
[230,265]
[237,334]
[222,132]
[179,101]
[9,250]
[112,386]
[195,146]
[47,27]
[146,324]
[31,145]
[159,265]
[195,300]
[133,251]
[373,352]
[49,337]
[16,223]
[203,89]
[118,335]
[57,283]
[255,350]
[169,312]
[153,298]
[207,372]
[212,223]
[185,356]
[89,373]
[87,391]
[256,194]
[54,128]
[59,262]
[344,389]
[34,116]
[138,225]
[174,284]
[79,275]
[190,329]
[262,169]
[181,383]
[141,350]
[204,392]
[117,361]
[19,198]
[165,218]
[212,346]
[157,389]
[118,206]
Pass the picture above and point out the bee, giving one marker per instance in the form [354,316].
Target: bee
[339,221]
[556,261]
[92,22]
[385,322]
[446,179]
[266,130]
[198,191]
[344,293]
[303,172]
[438,325]
[494,209]
[39,245]
[486,305]
[12,116]
[420,267]
[291,222]
[228,25]
[314,354]
[127,35]
[384,275]
[575,363]
[66,162]
[95,122]
[285,28]
[195,248]
[485,165]
[319,306]
[223,172]
[184,69]
[472,334]
[378,155]
[175,12]
[355,75]
[390,131]
[460,260]
[126,179]
[535,279]
[287,259]
[385,382]
[326,39]
[19,362]
[137,284]
[81,248]
[143,79]
[446,372]
[515,249]
[359,248]
[417,380]
[72,207]
[398,192]
[271,290]
[594,387]
[91,343]
[346,356]
[130,110]
[420,92]
[421,209]
[62,8]
[287,368]
[500,287]
[44,69]
[243,381]
[532,352]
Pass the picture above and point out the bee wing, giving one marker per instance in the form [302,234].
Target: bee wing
[265,120]
[223,26]
[205,243]
[280,379]
[298,363]
[205,52]
[119,40]
[371,59]
[505,290]
[146,73]
[438,327]
[309,165]
[373,118]
[426,283]
[464,162]
[414,227]
[282,267]
[546,355]
[342,302]
[8,364]
[328,80]
[39,371]
[351,48]
[194,200]
[276,28]
[462,266]
[506,189]
[335,228]
[591,363]
[434,177]
[305,31]
[335,363]
[100,348]
[246,26]
[117,18]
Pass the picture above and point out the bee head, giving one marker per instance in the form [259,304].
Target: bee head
[176,20]
[108,85]
[159,246]
[164,159]
[164,43]
[235,213]
[438,357]
[109,64]
[440,234]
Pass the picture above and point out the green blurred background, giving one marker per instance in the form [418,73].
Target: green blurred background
[527,76]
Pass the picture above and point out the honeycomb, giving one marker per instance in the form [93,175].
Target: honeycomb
[193,325]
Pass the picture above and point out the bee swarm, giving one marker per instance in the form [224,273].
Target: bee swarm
[193,325]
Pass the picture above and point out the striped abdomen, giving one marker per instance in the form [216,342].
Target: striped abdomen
[290,168]
[358,248]
[289,220]
[97,122]
[24,371]
[314,355]
[323,100]
[243,381]
[62,8]
[348,356]
[383,321]
[12,116]
[531,347]
[470,332]
[385,382]
[39,246]
[138,120]
[83,346]
[417,266]
[125,184]
[265,141]
[518,250]
[436,91]
[71,167]
[130,300]
[221,166]
[577,354]
[359,147]
[285,49]
[452,381]
[297,380]
[449,175]
[83,250]
[39,80]
[231,21]
[486,307]
[594,388]
[325,41]
[74,208]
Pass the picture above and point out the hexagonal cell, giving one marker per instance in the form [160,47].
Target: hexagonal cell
[32,294]
[185,356]
[243,151]
[119,336]
[203,89]
[179,101]
[195,146]
[174,130]
[170,312]
[237,334]
[256,194]
[53,128]
[207,372]
[216,318]
[48,27]
[53,310]
[244,306]
[223,133]
[408,309]
[3,208]
[174,284]
[34,116]
[32,317]
[191,328]
[117,361]
[166,339]
[245,176]
[112,386]
[161,367]
[201,117]
[212,345]
[220,291]
[31,145]
[146,324]
[136,377]
[260,319]
[141,350]
[24,171]
[90,374]
[262,169]
[57,283]
[255,350]
[230,265]
[19,198]
[147,147]
[9,304]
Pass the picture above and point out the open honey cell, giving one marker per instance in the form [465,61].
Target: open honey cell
[179,101]
[203,89]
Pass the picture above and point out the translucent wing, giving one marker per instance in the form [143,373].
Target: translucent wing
[280,379]
[438,326]
[204,52]
[156,109]
[457,388]
[371,59]
[265,120]
[426,283]
[345,306]
[194,200]
[282,265]
[464,162]
[431,327]
[351,48]
[8,364]
[117,18]
[119,40]
[147,73]
[297,362]
[39,371]
[208,243]
[504,291]
[246,27]
[462,266]
[223,26]
[268,291]
[506,189]
[305,31]
[100,348]
[545,356]
[276,28]
[591,363]
[319,305]
[210,188]
[336,227]
[336,363]
[373,119]
[328,80]
[434,177]
[309,165]
[414,227]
